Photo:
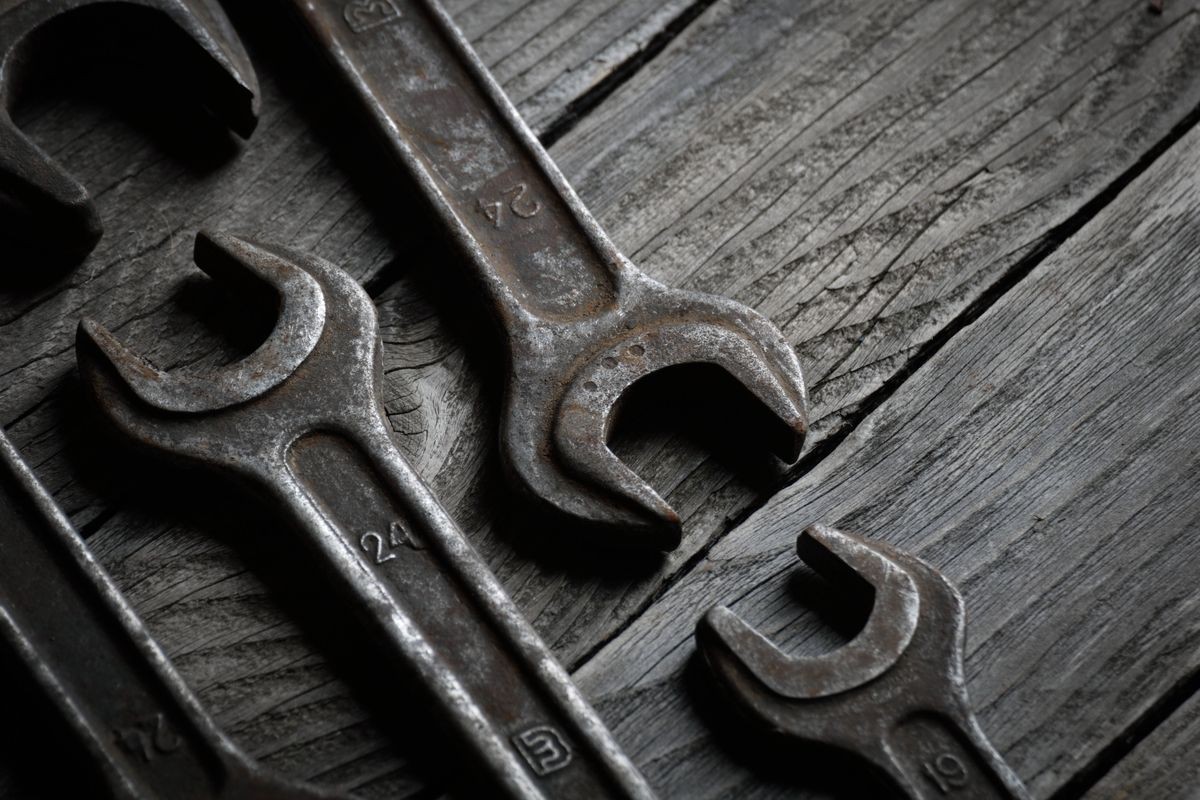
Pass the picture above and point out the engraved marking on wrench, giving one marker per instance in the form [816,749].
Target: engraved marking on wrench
[149,738]
[518,204]
[362,15]
[373,543]
[543,748]
[947,771]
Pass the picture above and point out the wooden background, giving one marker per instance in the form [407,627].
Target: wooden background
[978,223]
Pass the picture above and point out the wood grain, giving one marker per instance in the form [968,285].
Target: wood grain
[1163,765]
[863,195]
[1046,460]
[549,54]
[158,173]
[861,173]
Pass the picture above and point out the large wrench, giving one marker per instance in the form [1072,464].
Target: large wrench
[894,696]
[301,419]
[582,322]
[193,35]
[97,663]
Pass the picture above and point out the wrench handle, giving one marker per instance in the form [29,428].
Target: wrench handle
[942,756]
[84,645]
[443,620]
[537,251]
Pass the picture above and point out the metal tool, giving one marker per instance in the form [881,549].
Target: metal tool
[86,647]
[582,323]
[193,36]
[894,695]
[301,418]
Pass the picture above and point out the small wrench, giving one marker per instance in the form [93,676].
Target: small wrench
[894,695]
[301,418]
[95,660]
[582,323]
[194,34]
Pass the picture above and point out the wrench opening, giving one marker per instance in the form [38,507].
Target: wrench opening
[300,322]
[561,408]
[704,411]
[697,400]
[853,565]
[192,36]
[895,697]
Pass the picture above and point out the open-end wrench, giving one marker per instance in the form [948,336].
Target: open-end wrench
[582,323]
[87,649]
[301,418]
[894,695]
[194,36]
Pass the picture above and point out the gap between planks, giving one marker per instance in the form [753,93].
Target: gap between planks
[1080,409]
[1053,239]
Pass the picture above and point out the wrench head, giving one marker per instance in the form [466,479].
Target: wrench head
[569,383]
[301,309]
[738,652]
[320,359]
[907,658]
[193,36]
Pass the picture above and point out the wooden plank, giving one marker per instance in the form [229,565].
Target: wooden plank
[549,54]
[1024,113]
[860,208]
[1046,460]
[284,184]
[155,192]
[1162,765]
[862,195]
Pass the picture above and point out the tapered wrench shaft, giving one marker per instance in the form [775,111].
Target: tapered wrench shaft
[428,598]
[532,244]
[85,646]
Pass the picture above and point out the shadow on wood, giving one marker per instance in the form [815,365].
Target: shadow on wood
[812,773]
[101,81]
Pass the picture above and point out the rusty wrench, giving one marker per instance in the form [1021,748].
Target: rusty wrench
[301,418]
[894,695]
[95,660]
[195,35]
[581,322]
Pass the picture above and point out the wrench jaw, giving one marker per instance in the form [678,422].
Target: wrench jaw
[36,192]
[560,410]
[160,409]
[220,68]
[195,34]
[808,699]
[748,662]
[901,705]
[599,493]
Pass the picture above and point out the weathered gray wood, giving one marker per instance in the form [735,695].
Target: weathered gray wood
[282,185]
[859,174]
[859,206]
[1046,459]
[550,53]
[1163,765]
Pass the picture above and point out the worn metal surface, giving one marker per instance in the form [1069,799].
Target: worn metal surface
[894,696]
[84,645]
[313,438]
[582,323]
[192,39]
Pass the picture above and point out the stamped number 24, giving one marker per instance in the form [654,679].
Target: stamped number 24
[381,549]
[516,200]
